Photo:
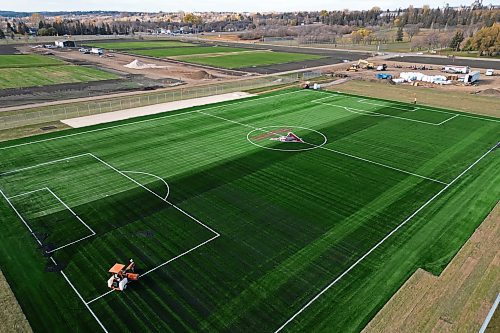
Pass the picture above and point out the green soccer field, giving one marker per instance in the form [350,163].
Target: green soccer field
[234,230]
[249,59]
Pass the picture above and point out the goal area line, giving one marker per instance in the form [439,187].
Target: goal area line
[122,173]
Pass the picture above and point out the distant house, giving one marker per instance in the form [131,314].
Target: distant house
[65,43]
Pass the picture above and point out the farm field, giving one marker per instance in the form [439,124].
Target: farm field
[249,59]
[181,51]
[233,230]
[20,71]
[139,45]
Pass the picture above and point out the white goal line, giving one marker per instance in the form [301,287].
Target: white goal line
[164,199]
[92,232]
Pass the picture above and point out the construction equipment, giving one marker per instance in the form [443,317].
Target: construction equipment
[121,276]
[353,68]
[382,67]
[365,64]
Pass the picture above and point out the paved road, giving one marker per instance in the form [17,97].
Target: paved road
[474,63]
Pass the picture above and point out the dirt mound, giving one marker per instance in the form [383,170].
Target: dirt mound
[490,92]
[200,75]
[137,64]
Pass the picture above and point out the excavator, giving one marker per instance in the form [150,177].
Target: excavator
[121,276]
[361,64]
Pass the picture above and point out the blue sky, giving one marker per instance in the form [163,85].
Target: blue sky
[210,5]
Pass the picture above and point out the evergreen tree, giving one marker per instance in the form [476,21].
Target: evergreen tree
[2,34]
[456,40]
[399,34]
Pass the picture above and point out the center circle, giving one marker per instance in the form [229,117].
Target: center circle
[266,137]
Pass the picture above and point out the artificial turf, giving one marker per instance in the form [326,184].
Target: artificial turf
[290,221]
[249,59]
[139,45]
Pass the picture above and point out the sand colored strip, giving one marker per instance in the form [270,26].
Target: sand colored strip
[456,301]
[151,109]
[12,318]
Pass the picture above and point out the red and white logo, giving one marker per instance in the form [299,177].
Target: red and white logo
[290,137]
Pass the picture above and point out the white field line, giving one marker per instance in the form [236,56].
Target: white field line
[20,217]
[154,176]
[338,152]
[147,120]
[461,113]
[41,164]
[372,113]
[27,193]
[83,301]
[71,210]
[490,314]
[381,242]
[447,120]
[377,163]
[66,206]
[131,179]
[365,101]
[155,194]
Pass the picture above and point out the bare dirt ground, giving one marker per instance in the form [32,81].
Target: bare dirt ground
[12,318]
[395,68]
[458,300]
[116,61]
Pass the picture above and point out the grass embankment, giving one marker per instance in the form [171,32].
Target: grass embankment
[457,100]
[12,318]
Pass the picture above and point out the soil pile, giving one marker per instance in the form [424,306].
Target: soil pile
[201,75]
[137,64]
[490,92]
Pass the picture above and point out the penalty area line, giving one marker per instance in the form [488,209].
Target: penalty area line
[356,263]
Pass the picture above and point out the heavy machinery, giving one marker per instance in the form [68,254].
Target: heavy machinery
[365,64]
[121,276]
[353,68]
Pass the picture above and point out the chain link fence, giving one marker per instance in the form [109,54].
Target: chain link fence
[71,110]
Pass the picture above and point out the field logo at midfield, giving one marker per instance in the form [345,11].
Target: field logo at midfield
[279,138]
[290,137]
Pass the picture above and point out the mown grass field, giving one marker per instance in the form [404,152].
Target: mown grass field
[27,60]
[249,59]
[20,71]
[139,45]
[251,229]
[181,51]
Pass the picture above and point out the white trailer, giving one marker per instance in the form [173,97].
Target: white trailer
[456,69]
[471,77]
[97,50]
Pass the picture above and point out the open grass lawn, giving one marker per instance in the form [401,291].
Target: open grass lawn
[232,231]
[48,75]
[249,59]
[138,45]
[27,60]
[180,51]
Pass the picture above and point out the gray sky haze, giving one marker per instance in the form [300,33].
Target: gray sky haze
[211,5]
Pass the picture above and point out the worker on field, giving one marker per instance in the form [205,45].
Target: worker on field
[415,99]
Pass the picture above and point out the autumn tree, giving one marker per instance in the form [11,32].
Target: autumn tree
[486,40]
